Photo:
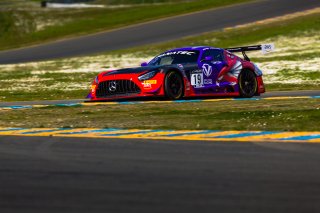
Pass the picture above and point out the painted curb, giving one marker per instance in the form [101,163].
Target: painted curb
[152,102]
[190,135]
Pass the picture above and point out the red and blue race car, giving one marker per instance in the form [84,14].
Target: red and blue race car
[185,72]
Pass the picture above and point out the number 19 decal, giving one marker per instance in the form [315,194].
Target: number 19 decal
[197,80]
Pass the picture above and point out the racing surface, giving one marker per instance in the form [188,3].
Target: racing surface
[159,31]
[75,101]
[48,174]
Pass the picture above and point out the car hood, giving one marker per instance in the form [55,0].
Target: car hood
[135,70]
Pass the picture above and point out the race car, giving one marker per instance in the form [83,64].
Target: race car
[185,72]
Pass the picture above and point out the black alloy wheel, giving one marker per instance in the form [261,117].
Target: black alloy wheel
[173,85]
[247,84]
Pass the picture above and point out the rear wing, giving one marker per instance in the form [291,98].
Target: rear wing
[265,48]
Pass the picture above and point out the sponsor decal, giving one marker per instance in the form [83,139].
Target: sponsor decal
[147,84]
[207,69]
[177,53]
[267,48]
[150,82]
[207,81]
[197,71]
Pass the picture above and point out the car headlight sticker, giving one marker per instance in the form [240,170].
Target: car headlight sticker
[147,75]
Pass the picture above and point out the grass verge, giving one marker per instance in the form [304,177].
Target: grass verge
[224,115]
[25,24]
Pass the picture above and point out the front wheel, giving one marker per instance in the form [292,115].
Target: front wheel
[173,85]
[247,84]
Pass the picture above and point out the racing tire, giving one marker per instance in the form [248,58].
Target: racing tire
[173,85]
[247,84]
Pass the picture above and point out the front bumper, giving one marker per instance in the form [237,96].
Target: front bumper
[124,86]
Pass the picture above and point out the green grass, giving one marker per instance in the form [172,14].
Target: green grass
[291,87]
[45,86]
[309,75]
[42,94]
[225,115]
[20,27]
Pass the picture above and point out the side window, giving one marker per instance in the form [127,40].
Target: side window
[217,55]
[205,54]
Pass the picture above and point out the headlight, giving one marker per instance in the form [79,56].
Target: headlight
[96,80]
[147,75]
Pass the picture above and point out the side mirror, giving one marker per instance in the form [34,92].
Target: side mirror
[144,64]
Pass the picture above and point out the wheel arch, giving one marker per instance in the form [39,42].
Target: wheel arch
[248,69]
[174,69]
[255,75]
[180,73]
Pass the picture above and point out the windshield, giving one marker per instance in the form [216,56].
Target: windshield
[175,57]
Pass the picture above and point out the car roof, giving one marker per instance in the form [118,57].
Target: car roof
[199,48]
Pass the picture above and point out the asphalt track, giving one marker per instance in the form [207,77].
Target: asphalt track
[159,31]
[58,174]
[75,101]
[49,174]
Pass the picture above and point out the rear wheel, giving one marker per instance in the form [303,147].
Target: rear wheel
[173,85]
[247,84]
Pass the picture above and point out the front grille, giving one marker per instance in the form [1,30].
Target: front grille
[116,88]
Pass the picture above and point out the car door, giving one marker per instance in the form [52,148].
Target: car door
[210,64]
